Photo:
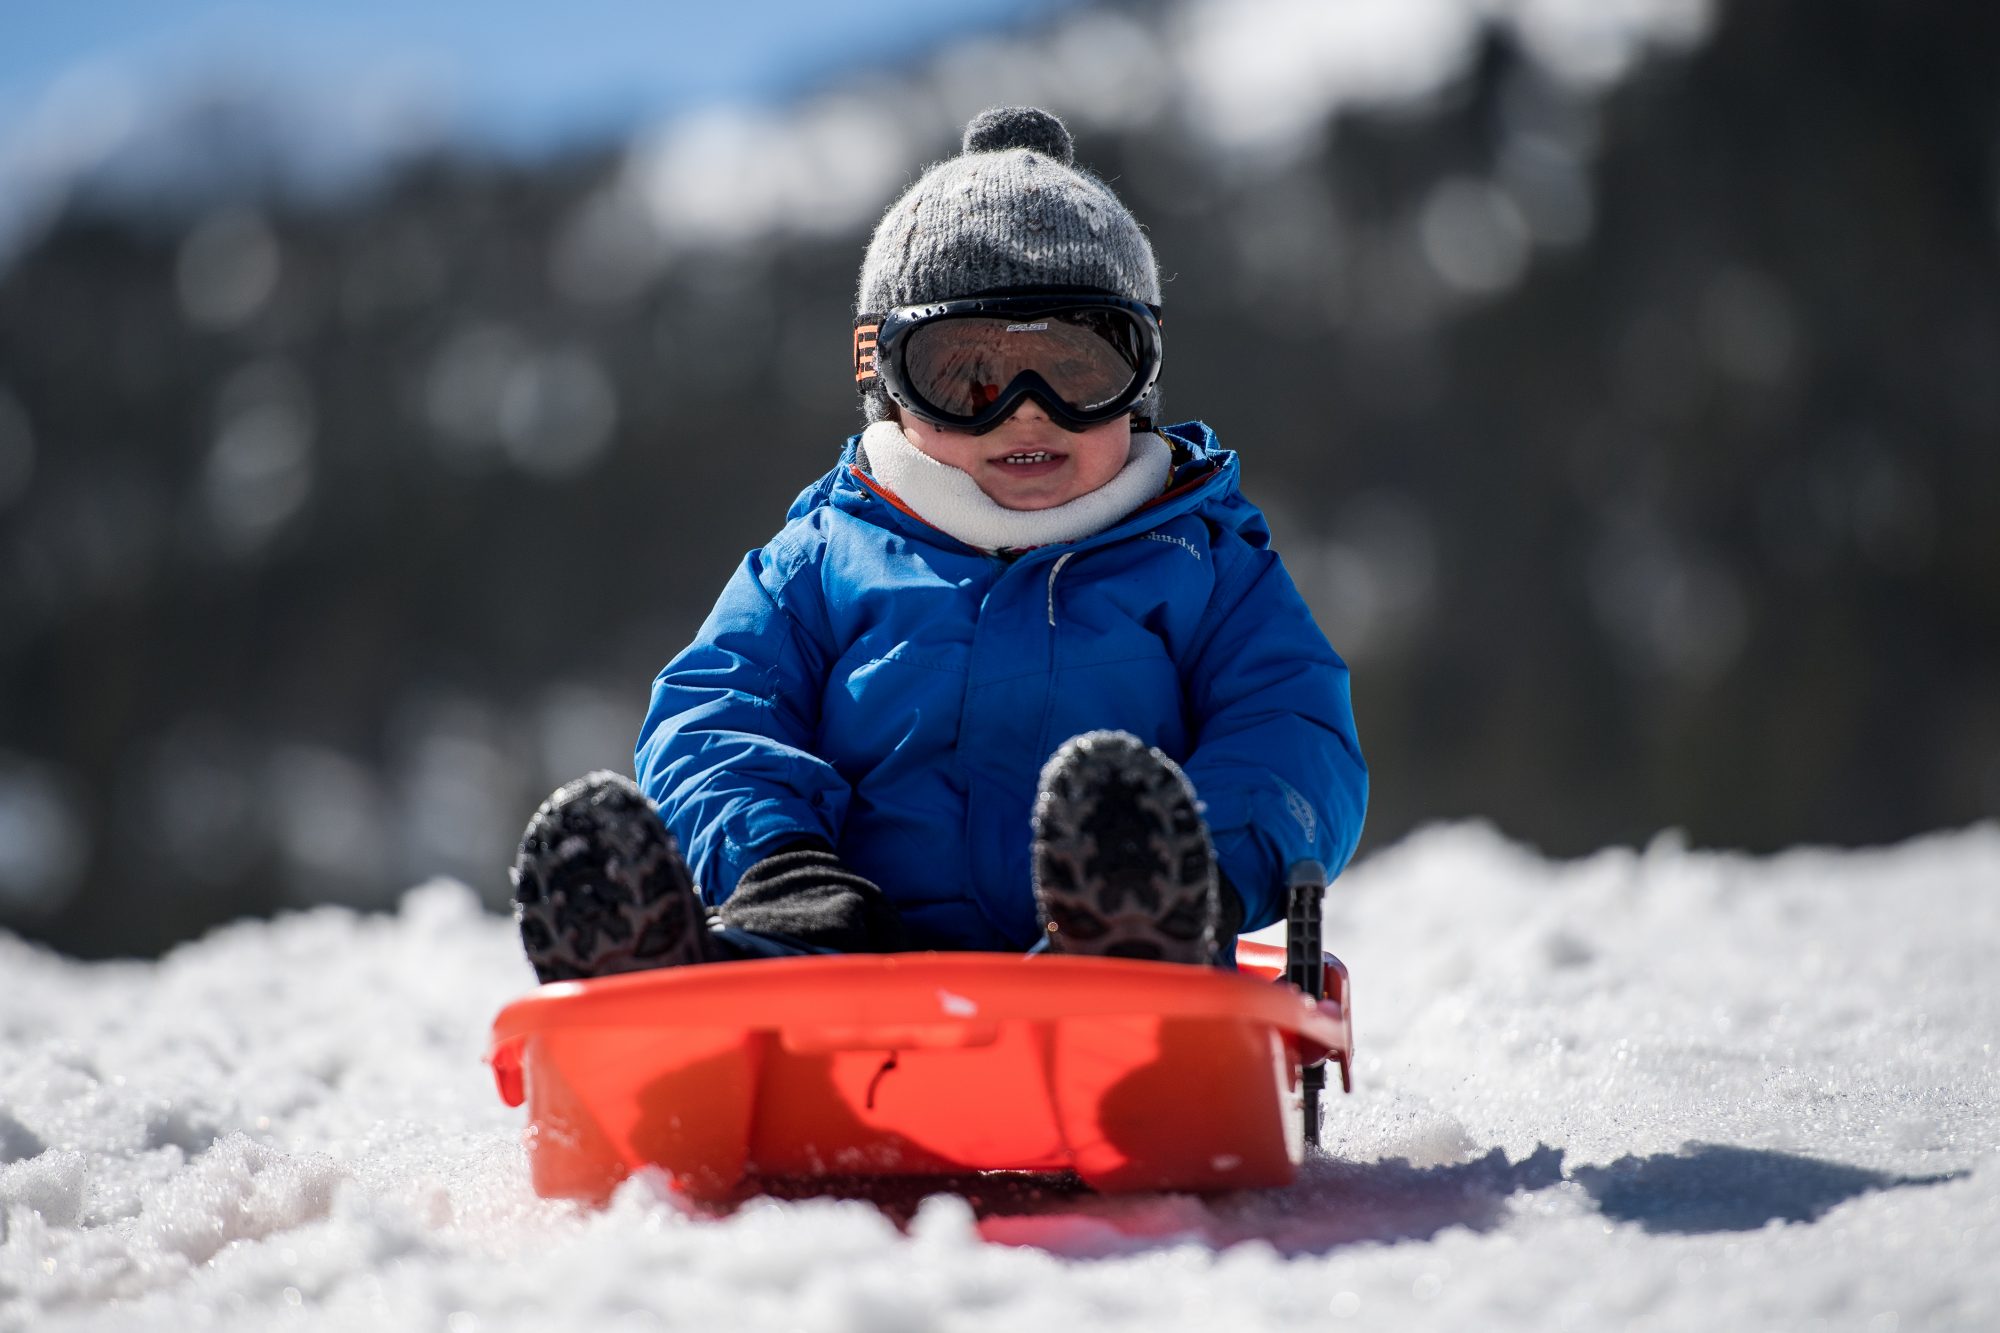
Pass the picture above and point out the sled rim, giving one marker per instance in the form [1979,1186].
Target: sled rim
[901,989]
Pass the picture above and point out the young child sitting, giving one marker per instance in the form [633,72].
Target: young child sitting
[983,687]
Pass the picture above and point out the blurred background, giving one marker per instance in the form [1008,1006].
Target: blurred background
[385,394]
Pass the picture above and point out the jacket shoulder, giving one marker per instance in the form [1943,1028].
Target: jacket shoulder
[1231,518]
[819,495]
[803,538]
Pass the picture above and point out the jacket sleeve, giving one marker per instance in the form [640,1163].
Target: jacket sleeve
[726,749]
[1275,761]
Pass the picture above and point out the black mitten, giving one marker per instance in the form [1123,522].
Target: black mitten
[804,892]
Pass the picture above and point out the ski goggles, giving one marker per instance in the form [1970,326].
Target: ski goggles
[967,364]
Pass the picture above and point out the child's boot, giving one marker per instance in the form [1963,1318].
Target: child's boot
[1123,864]
[600,886]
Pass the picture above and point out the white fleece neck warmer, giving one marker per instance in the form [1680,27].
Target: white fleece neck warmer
[951,501]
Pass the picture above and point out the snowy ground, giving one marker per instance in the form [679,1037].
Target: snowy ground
[1644,1090]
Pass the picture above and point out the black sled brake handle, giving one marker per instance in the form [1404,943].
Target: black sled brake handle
[1305,967]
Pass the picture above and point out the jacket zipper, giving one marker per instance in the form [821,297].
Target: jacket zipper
[1049,691]
[1054,570]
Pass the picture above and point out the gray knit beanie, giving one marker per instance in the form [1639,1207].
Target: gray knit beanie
[1011,210]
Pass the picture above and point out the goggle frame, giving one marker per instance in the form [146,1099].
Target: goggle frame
[880,338]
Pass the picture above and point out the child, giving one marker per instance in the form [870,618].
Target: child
[967,697]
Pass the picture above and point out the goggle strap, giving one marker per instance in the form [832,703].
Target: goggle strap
[865,330]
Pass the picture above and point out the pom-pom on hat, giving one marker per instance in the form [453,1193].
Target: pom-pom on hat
[1010,211]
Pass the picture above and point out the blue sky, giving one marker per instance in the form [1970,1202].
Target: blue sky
[525,72]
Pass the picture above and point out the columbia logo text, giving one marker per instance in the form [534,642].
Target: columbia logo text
[1299,808]
[1181,542]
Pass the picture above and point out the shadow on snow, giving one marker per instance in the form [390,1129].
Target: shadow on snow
[1714,1187]
[1334,1203]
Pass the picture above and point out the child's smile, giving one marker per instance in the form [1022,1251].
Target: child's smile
[1027,461]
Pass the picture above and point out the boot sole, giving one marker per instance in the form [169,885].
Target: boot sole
[600,886]
[1123,863]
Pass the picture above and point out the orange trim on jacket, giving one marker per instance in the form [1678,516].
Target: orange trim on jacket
[890,496]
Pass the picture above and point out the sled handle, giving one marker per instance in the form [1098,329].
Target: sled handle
[1305,967]
[506,1062]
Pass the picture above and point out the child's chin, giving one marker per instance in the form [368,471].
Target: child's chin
[1029,502]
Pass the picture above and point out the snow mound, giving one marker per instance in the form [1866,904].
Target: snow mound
[1647,1089]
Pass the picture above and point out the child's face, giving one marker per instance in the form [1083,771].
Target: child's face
[1027,461]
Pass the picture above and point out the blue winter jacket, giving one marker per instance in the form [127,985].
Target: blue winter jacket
[870,680]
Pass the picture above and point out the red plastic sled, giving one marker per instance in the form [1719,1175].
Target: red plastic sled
[1134,1075]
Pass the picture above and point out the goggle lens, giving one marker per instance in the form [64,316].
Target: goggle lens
[1089,357]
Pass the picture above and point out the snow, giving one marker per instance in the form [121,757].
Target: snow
[1658,1089]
